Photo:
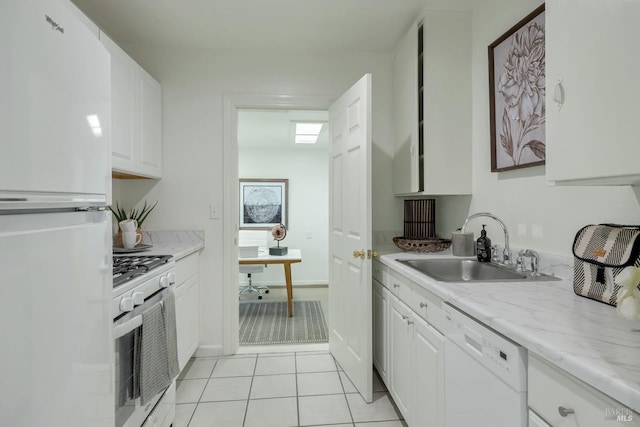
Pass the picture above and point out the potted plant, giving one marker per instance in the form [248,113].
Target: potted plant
[139,215]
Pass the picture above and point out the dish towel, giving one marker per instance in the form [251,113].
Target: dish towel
[158,348]
[154,375]
[169,308]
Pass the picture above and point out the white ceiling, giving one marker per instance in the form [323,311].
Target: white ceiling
[272,129]
[344,25]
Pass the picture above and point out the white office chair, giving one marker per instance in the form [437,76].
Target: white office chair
[249,270]
[249,241]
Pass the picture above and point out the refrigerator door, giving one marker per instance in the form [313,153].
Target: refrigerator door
[57,358]
[55,106]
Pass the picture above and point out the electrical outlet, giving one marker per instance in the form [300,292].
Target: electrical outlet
[536,231]
[522,229]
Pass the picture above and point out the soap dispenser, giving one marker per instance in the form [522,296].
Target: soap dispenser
[483,246]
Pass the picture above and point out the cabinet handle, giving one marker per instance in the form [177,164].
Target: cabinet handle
[395,285]
[409,322]
[423,305]
[404,317]
[565,411]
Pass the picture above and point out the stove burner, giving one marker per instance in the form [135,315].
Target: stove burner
[126,268]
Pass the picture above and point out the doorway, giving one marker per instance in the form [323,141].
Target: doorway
[233,105]
[284,147]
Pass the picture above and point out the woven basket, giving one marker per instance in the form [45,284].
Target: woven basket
[427,244]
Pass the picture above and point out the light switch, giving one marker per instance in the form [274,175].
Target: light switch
[214,211]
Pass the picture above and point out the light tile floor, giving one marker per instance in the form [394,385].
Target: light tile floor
[277,390]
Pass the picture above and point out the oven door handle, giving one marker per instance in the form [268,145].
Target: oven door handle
[126,327]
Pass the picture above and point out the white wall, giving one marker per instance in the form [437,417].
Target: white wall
[194,82]
[522,198]
[307,170]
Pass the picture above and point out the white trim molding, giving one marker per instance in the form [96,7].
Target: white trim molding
[231,104]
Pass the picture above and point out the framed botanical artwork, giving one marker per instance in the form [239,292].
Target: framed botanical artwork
[517,95]
[263,203]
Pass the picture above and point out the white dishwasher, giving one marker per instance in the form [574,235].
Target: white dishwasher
[485,375]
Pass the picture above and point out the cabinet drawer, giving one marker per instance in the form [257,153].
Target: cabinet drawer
[551,389]
[380,272]
[187,267]
[399,286]
[426,305]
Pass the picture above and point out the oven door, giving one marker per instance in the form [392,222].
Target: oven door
[126,329]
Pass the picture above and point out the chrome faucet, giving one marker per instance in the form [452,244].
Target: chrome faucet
[506,253]
[535,259]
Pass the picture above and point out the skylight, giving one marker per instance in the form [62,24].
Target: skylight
[307,133]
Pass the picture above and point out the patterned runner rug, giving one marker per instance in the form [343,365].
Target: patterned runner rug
[269,323]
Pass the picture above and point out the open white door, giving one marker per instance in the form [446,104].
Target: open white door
[350,319]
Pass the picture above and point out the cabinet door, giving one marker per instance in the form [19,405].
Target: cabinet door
[593,136]
[405,114]
[123,75]
[150,125]
[380,327]
[428,376]
[187,319]
[400,355]
[536,421]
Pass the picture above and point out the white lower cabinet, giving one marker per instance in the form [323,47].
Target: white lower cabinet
[380,329]
[536,421]
[562,400]
[428,375]
[408,350]
[186,294]
[401,357]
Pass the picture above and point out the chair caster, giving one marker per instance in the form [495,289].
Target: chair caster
[266,291]
[259,296]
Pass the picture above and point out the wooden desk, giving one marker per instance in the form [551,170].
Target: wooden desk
[294,256]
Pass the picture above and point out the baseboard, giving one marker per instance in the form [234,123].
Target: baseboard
[209,351]
[282,285]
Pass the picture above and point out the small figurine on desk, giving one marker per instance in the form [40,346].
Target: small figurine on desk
[279,232]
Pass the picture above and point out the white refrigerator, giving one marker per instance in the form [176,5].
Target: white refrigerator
[56,339]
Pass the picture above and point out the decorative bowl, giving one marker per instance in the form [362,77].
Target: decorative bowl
[425,244]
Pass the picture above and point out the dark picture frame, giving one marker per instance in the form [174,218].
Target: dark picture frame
[517,95]
[264,203]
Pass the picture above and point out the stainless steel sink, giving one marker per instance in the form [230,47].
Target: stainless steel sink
[464,270]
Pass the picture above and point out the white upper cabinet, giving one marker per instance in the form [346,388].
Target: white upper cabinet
[432,106]
[592,138]
[136,104]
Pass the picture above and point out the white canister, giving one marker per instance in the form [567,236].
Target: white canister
[463,244]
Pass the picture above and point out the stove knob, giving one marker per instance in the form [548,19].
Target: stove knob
[172,278]
[126,304]
[138,298]
[164,282]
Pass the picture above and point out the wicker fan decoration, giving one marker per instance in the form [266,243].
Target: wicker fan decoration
[279,232]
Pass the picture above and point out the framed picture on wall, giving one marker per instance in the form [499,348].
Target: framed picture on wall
[517,95]
[263,203]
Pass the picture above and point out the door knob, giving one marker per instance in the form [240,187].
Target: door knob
[359,254]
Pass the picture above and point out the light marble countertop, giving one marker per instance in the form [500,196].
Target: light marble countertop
[581,336]
[176,243]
